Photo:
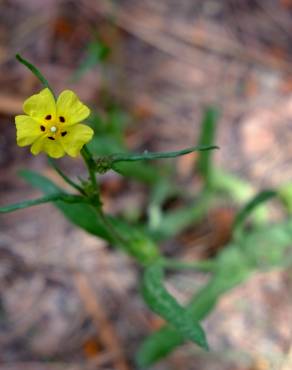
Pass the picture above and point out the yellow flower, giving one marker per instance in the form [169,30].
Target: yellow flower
[53,127]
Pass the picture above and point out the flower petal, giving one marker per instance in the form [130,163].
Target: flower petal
[40,105]
[27,130]
[76,136]
[70,108]
[37,146]
[52,147]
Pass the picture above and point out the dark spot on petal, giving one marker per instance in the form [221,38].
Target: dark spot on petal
[62,119]
[43,128]
[64,133]
[48,117]
[51,138]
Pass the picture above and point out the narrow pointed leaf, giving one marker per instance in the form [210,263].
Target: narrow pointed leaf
[46,199]
[124,157]
[264,248]
[137,243]
[165,340]
[165,305]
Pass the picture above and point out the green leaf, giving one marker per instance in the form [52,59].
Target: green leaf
[129,157]
[207,137]
[67,198]
[162,342]
[137,243]
[141,171]
[255,202]
[158,346]
[82,215]
[230,269]
[266,247]
[106,163]
[165,340]
[165,305]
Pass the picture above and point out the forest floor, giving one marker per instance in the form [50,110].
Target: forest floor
[63,302]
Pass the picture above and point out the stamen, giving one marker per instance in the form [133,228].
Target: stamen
[48,117]
[43,128]
[53,129]
[62,119]
[51,138]
[63,133]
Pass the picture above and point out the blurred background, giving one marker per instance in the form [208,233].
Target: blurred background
[147,69]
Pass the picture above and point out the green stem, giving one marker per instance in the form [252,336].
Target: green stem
[36,72]
[90,166]
[116,235]
[95,199]
[64,177]
[207,136]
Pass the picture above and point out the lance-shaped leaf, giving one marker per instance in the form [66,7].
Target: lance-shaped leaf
[228,272]
[165,340]
[82,215]
[67,198]
[263,248]
[165,305]
[106,163]
[134,241]
[125,157]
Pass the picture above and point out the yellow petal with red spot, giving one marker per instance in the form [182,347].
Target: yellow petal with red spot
[75,138]
[70,110]
[27,130]
[41,105]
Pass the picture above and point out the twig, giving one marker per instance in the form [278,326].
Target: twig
[103,326]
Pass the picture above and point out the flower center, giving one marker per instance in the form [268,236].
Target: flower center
[53,130]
